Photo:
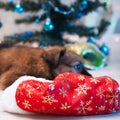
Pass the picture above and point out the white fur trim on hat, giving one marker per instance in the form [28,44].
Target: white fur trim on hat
[8,101]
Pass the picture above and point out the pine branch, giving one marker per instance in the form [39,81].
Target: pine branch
[62,22]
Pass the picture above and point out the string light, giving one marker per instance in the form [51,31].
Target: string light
[61,11]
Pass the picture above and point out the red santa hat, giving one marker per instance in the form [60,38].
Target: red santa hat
[67,94]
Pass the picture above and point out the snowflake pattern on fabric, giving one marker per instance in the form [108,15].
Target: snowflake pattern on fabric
[26,104]
[63,92]
[82,89]
[84,107]
[70,94]
[93,80]
[65,106]
[49,99]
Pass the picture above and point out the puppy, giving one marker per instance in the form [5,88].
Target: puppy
[16,61]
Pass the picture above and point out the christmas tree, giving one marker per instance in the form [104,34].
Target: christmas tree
[58,19]
[55,17]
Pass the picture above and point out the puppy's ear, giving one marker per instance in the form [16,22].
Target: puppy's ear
[53,55]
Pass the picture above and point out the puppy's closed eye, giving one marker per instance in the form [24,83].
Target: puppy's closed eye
[78,67]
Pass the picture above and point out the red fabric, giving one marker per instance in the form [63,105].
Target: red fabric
[70,94]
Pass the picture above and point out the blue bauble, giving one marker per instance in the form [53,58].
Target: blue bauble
[23,35]
[85,2]
[83,5]
[79,15]
[44,7]
[37,20]
[48,25]
[104,49]
[18,8]
[26,34]
[29,33]
[0,24]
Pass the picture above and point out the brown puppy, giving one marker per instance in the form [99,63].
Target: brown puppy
[40,62]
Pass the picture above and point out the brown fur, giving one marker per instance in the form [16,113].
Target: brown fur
[39,62]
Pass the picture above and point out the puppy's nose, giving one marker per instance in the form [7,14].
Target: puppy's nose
[85,72]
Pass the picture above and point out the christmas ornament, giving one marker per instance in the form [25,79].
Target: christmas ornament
[83,5]
[37,20]
[104,49]
[79,15]
[48,25]
[1,24]
[18,8]
[25,35]
[29,33]
[22,35]
[44,7]
[67,94]
[93,57]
